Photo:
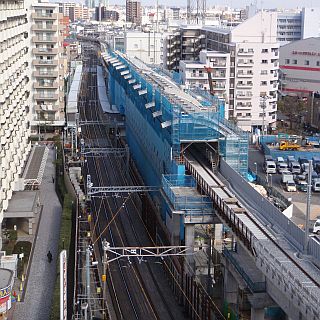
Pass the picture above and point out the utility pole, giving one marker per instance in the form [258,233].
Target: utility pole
[311,109]
[105,246]
[306,229]
[88,291]
[263,107]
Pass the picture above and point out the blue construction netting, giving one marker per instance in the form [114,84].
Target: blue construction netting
[159,145]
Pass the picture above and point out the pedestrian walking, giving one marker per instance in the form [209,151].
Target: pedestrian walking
[52,179]
[49,256]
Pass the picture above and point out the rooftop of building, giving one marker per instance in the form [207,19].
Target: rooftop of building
[298,43]
[6,277]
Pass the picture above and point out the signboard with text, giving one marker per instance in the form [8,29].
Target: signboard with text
[63,285]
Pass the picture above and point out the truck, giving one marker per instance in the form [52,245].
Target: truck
[288,145]
[286,176]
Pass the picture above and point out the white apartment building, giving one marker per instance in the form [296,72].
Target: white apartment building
[194,73]
[146,46]
[254,64]
[48,66]
[15,98]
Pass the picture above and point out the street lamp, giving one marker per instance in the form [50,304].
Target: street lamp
[256,165]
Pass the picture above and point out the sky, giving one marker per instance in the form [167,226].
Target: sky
[235,3]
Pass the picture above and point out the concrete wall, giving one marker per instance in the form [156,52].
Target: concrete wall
[267,211]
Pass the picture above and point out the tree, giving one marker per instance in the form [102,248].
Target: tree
[293,108]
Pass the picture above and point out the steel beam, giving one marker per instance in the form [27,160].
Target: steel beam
[143,252]
[102,151]
[119,189]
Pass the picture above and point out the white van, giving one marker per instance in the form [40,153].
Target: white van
[316,227]
[295,167]
[270,167]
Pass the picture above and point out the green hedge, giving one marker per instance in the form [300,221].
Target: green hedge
[64,243]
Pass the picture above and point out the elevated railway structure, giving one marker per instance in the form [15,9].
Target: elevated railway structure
[200,161]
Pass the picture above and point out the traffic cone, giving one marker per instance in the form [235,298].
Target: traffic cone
[18,298]
[21,287]
[22,278]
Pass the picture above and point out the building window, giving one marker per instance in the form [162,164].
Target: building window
[318,63]
[264,71]
[263,83]
[264,61]
[287,61]
[264,51]
[306,62]
[294,61]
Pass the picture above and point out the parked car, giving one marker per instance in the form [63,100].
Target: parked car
[290,159]
[299,177]
[291,186]
[315,162]
[294,167]
[282,166]
[302,186]
[270,167]
[280,159]
[316,185]
[267,157]
[316,227]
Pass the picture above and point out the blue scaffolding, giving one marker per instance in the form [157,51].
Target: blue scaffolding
[160,117]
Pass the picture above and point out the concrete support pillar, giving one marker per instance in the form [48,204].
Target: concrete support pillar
[189,241]
[257,314]
[218,230]
[230,288]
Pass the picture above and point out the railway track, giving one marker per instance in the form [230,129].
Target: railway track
[200,162]
[137,303]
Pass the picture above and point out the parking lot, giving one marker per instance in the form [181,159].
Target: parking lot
[298,198]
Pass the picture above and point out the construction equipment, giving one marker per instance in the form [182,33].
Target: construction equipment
[211,83]
[288,145]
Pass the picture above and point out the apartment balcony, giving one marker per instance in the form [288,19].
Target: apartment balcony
[47,51]
[46,108]
[38,39]
[44,16]
[53,85]
[41,74]
[243,106]
[43,62]
[48,28]
[245,63]
[244,85]
[219,87]
[244,96]
[245,53]
[41,96]
[245,75]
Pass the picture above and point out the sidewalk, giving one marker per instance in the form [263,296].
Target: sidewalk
[42,277]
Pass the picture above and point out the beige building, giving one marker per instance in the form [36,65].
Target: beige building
[75,11]
[48,65]
[15,98]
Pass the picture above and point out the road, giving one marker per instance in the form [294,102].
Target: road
[298,198]
[138,290]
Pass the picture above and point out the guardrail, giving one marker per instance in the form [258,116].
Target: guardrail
[227,214]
